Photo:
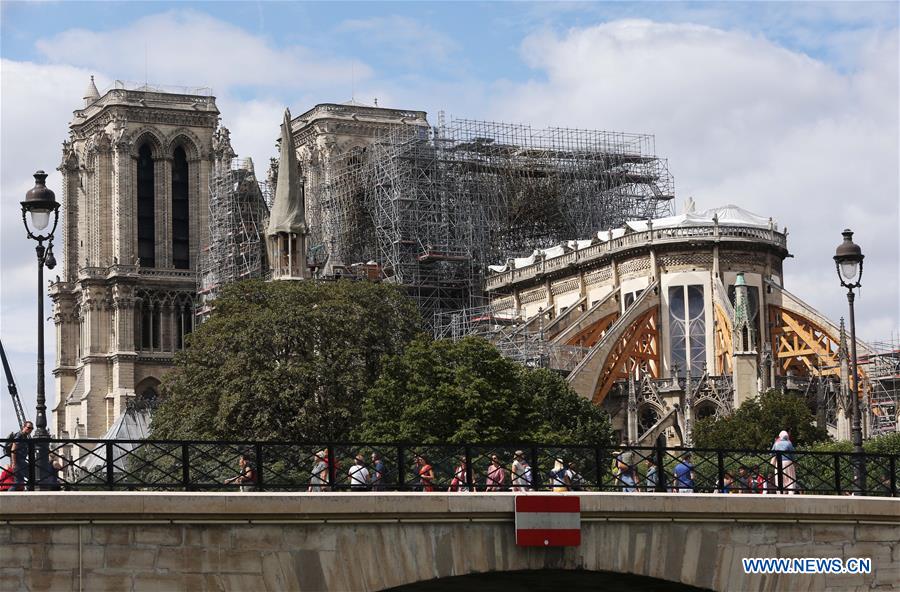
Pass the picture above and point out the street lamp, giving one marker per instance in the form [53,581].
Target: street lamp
[848,260]
[39,205]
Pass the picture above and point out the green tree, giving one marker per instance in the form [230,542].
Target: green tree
[284,360]
[883,444]
[465,391]
[756,424]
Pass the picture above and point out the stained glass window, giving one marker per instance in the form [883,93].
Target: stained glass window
[687,329]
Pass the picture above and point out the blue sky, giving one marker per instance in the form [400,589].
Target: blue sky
[786,109]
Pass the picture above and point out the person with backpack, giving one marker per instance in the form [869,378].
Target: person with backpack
[559,476]
[627,470]
[18,454]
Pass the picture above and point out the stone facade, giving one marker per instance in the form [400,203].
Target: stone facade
[120,317]
[368,541]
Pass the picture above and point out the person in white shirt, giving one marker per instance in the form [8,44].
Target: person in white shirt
[521,472]
[359,475]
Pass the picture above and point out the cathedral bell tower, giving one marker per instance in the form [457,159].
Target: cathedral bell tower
[135,174]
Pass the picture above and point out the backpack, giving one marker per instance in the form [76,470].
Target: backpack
[7,444]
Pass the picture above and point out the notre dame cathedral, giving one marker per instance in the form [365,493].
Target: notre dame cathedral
[139,169]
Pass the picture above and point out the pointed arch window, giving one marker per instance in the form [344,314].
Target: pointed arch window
[146,217]
[180,212]
[687,328]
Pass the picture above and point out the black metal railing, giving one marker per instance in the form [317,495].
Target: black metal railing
[163,465]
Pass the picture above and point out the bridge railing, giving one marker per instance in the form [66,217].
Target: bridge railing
[168,465]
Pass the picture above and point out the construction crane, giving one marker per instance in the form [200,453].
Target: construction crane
[13,391]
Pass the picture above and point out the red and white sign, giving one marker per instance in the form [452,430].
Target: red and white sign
[548,520]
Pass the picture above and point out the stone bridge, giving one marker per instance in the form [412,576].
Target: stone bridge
[431,541]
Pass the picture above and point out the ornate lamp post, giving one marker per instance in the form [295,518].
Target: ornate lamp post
[39,205]
[848,260]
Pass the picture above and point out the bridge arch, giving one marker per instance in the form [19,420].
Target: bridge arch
[571,580]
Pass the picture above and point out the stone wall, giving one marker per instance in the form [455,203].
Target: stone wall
[271,541]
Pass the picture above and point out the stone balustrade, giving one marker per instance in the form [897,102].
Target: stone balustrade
[365,541]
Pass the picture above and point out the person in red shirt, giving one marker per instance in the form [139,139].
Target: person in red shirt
[426,474]
[7,478]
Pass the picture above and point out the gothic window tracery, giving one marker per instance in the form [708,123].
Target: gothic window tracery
[180,210]
[687,328]
[163,319]
[146,215]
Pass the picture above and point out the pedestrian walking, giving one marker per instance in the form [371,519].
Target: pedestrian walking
[576,481]
[377,474]
[788,471]
[496,475]
[651,479]
[521,472]
[742,481]
[18,453]
[684,475]
[319,475]
[359,475]
[559,477]
[627,471]
[426,473]
[459,482]
[246,477]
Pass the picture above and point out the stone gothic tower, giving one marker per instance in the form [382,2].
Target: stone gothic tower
[135,204]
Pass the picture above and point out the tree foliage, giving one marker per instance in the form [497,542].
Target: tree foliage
[883,444]
[756,424]
[465,391]
[284,360]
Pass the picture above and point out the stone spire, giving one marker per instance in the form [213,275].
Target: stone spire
[288,213]
[745,363]
[90,93]
[743,326]
[286,234]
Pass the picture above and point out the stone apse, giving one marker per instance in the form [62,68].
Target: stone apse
[366,541]
[665,321]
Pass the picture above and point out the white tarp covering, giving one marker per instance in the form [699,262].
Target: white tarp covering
[287,213]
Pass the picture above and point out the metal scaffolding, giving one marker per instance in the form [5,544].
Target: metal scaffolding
[882,369]
[431,208]
[237,215]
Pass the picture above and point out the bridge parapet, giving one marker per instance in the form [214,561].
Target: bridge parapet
[371,541]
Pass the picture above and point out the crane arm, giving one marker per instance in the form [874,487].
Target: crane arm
[13,391]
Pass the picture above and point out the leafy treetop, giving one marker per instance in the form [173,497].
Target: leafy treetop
[756,424]
[284,360]
[465,391]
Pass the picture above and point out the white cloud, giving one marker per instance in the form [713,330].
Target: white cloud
[184,46]
[745,121]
